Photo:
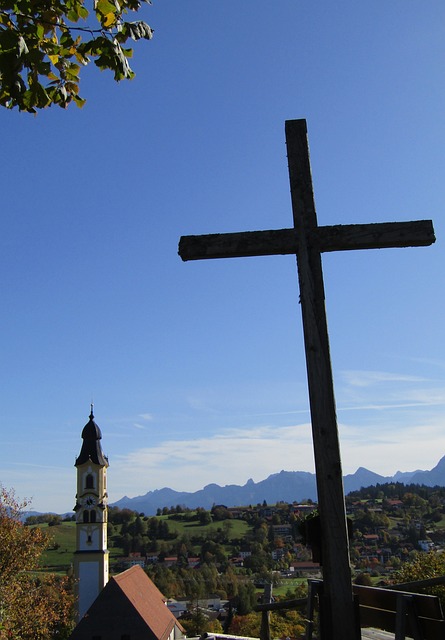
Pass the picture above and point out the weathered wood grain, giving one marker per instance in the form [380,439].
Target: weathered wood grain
[346,237]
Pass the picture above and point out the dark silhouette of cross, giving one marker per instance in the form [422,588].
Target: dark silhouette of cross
[307,240]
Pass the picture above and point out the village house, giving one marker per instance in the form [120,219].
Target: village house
[152,558]
[236,513]
[394,505]
[425,545]
[134,559]
[278,554]
[177,607]
[237,561]
[303,510]
[193,562]
[129,607]
[283,531]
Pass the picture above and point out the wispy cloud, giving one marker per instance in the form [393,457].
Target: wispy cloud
[146,416]
[381,390]
[231,456]
[388,422]
[235,455]
[370,378]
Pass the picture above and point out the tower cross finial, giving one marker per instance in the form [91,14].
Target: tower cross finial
[91,413]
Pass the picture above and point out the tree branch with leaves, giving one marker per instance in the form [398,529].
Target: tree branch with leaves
[33,605]
[45,43]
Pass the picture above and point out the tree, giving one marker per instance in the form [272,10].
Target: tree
[248,625]
[363,579]
[423,566]
[44,44]
[220,512]
[31,607]
[197,623]
[246,599]
[288,624]
[282,624]
[205,517]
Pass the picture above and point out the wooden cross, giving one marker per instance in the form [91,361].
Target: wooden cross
[307,240]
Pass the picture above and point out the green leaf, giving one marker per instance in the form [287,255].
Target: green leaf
[72,72]
[72,16]
[66,39]
[104,7]
[79,101]
[28,99]
[83,13]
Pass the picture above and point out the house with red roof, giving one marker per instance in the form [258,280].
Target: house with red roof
[129,607]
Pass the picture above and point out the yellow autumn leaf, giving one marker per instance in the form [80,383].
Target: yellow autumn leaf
[54,59]
[109,20]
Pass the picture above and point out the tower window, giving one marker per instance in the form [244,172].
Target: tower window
[93,516]
[86,516]
[90,481]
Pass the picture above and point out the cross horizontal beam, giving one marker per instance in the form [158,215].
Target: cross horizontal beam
[378,235]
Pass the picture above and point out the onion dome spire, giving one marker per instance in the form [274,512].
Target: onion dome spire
[91,448]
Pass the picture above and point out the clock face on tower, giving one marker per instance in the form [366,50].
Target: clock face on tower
[90,501]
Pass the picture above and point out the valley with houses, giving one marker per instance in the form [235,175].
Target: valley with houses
[213,563]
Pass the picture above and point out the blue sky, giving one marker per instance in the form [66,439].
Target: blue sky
[197,370]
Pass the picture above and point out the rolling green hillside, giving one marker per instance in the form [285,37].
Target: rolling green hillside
[237,528]
[59,557]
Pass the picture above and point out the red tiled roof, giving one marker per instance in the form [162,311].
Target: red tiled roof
[128,604]
[147,600]
[305,564]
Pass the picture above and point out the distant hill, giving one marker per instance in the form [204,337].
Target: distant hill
[288,486]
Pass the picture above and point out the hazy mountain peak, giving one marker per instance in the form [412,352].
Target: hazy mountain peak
[288,486]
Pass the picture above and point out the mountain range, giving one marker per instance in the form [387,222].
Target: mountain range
[288,486]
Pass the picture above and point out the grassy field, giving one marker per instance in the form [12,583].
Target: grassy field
[238,528]
[288,583]
[59,558]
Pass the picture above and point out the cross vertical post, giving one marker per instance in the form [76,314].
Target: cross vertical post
[307,241]
[339,618]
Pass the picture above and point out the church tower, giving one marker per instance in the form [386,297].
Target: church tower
[91,556]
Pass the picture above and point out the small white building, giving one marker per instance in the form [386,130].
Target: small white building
[425,545]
